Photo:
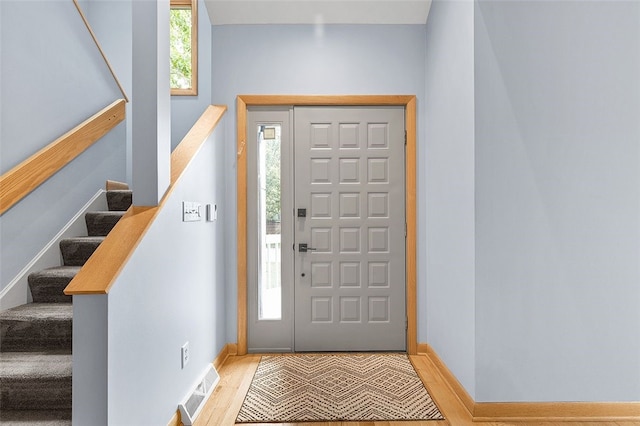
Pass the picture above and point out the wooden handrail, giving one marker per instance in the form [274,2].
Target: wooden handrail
[101,270]
[18,182]
[104,56]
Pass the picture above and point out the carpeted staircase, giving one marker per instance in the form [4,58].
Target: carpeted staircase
[35,339]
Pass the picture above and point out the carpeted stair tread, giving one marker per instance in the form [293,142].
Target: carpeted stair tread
[100,223]
[39,312]
[36,418]
[119,200]
[37,327]
[35,381]
[47,285]
[76,251]
[34,365]
[36,338]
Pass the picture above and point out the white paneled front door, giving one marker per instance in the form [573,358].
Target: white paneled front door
[349,200]
[339,247]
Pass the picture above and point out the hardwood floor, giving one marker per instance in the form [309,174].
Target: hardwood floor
[237,371]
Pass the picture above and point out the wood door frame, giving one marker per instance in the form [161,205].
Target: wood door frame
[409,103]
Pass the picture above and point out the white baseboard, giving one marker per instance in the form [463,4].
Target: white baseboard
[17,292]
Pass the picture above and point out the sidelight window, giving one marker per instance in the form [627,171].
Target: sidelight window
[270,213]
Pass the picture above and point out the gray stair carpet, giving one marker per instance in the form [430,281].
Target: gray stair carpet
[47,286]
[36,338]
[119,200]
[35,379]
[100,223]
[36,418]
[76,251]
[36,327]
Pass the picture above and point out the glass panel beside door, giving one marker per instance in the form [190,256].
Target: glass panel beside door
[269,231]
[270,266]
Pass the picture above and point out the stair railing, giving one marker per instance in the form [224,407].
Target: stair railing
[99,273]
[104,57]
[18,182]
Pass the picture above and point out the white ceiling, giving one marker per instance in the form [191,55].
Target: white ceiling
[225,12]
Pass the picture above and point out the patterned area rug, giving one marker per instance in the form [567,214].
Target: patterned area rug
[360,387]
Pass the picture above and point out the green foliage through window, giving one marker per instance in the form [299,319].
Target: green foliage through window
[272,166]
[180,48]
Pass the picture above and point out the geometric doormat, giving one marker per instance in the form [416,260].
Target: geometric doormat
[358,387]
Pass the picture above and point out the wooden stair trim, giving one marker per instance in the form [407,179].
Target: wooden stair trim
[113,185]
[101,270]
[532,411]
[18,182]
[193,140]
[104,56]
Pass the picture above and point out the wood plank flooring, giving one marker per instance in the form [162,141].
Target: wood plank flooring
[236,374]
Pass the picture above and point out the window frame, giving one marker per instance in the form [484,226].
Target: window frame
[193,5]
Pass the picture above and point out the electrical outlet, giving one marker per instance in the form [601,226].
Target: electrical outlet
[185,354]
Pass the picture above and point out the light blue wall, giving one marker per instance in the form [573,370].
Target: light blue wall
[52,79]
[303,59]
[168,293]
[450,222]
[185,110]
[111,21]
[557,201]
[528,280]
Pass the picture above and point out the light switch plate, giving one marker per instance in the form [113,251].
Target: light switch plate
[211,212]
[191,211]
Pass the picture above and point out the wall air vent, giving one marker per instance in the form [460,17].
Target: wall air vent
[191,406]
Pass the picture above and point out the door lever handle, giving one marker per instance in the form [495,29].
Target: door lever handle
[303,248]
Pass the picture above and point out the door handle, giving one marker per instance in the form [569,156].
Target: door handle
[303,248]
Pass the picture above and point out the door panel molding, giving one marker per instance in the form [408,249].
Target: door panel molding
[357,152]
[409,103]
